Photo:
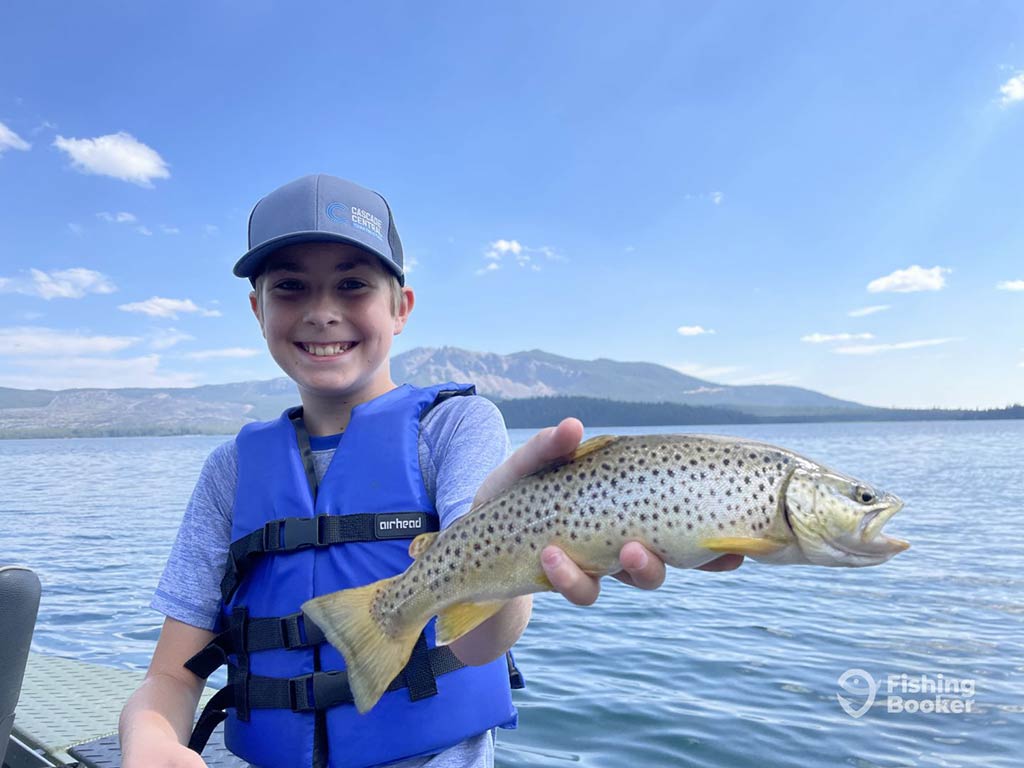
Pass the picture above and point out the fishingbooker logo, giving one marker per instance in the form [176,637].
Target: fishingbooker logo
[928,694]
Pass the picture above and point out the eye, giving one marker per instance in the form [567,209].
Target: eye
[288,284]
[351,284]
[864,495]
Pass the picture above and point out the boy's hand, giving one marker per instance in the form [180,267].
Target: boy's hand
[641,567]
[169,755]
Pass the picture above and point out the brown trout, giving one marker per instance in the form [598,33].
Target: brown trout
[687,498]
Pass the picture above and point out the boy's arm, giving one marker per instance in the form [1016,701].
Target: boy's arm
[157,719]
[641,567]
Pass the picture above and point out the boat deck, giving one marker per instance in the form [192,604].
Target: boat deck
[68,712]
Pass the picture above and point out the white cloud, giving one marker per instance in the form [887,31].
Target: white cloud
[59,284]
[231,353]
[142,230]
[863,311]
[157,306]
[1012,90]
[500,248]
[122,217]
[169,338]
[873,349]
[523,255]
[693,330]
[169,230]
[76,229]
[821,338]
[118,155]
[74,372]
[10,140]
[411,264]
[36,341]
[1011,285]
[211,229]
[717,198]
[912,279]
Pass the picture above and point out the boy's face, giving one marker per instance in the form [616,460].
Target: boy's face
[326,312]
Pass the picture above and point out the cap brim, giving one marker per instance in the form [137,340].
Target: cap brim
[251,263]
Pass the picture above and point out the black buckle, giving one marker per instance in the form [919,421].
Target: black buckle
[272,536]
[325,687]
[301,533]
[291,635]
[302,693]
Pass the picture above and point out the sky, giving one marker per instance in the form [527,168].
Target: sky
[824,195]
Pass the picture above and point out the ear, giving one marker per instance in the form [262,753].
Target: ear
[254,304]
[408,300]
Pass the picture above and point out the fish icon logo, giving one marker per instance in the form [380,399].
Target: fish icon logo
[860,683]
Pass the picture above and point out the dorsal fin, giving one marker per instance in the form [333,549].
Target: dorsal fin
[582,450]
[591,445]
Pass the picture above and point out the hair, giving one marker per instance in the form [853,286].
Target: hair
[394,288]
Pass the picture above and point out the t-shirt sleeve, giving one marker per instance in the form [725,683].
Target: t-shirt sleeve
[189,589]
[463,439]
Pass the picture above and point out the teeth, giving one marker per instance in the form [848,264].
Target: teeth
[323,350]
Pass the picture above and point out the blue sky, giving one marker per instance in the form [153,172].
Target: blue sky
[827,195]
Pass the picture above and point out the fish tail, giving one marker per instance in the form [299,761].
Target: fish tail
[373,658]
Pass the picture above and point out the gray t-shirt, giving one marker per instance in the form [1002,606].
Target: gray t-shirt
[460,442]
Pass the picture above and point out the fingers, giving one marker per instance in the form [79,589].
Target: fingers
[640,567]
[723,563]
[567,578]
[544,447]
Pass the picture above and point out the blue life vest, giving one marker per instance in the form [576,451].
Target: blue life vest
[375,469]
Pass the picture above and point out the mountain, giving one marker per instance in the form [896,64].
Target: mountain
[539,374]
[223,408]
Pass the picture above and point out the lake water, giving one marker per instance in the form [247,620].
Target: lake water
[715,669]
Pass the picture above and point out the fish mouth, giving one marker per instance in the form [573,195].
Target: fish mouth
[871,537]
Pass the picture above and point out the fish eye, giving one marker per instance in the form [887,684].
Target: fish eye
[863,494]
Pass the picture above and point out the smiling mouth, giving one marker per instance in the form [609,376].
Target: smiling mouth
[326,350]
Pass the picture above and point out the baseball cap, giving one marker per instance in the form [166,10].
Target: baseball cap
[322,209]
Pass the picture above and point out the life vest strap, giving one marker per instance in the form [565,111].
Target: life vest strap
[316,691]
[267,634]
[291,534]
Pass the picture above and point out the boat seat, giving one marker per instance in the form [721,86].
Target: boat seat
[19,605]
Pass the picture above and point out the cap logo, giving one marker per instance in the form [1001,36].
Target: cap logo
[337,212]
[366,221]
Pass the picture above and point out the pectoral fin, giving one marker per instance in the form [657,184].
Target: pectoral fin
[421,544]
[456,620]
[739,545]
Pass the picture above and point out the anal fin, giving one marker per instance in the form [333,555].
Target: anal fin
[456,620]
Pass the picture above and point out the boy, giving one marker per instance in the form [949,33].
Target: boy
[309,504]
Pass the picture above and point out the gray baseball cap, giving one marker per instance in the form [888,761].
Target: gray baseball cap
[322,209]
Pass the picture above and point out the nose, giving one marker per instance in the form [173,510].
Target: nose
[323,310]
